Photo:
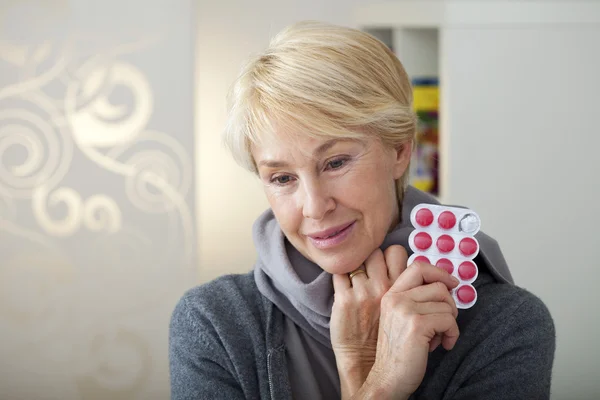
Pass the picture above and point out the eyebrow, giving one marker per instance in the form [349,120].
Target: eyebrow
[317,153]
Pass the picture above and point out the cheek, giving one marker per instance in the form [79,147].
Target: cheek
[287,214]
[368,188]
[372,192]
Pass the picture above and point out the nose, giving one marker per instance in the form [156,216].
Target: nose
[317,201]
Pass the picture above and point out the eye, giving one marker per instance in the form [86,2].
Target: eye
[281,180]
[337,163]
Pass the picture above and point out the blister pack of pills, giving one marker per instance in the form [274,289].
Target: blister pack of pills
[445,237]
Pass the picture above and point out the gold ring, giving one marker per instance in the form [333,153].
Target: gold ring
[358,271]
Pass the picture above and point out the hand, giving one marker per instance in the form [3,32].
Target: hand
[355,315]
[417,314]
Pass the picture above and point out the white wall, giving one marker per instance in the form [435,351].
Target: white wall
[523,151]
[229,199]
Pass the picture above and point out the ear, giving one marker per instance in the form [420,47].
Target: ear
[402,154]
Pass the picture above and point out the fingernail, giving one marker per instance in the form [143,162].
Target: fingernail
[455,279]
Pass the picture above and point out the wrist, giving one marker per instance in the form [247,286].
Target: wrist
[355,369]
[354,364]
[374,391]
[352,377]
[380,385]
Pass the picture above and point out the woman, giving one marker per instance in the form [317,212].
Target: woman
[324,118]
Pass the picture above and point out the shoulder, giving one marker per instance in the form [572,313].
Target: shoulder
[217,340]
[505,349]
[222,310]
[507,316]
[223,297]
[223,292]
[508,301]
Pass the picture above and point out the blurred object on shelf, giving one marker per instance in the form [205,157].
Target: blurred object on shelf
[424,174]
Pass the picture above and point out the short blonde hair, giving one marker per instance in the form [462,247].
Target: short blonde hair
[326,81]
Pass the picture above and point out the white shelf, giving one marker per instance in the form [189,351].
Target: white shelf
[439,13]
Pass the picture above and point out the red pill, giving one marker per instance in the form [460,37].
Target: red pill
[468,246]
[424,217]
[447,220]
[423,240]
[422,259]
[465,294]
[467,270]
[445,243]
[445,264]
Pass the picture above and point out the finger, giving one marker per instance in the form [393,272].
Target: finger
[376,267]
[359,278]
[448,342]
[433,292]
[435,342]
[443,324]
[419,274]
[395,259]
[341,282]
[434,307]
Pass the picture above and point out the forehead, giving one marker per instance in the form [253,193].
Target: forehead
[287,146]
[298,150]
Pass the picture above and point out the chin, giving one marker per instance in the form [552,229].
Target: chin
[339,264]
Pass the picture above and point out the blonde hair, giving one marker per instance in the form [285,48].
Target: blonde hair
[325,81]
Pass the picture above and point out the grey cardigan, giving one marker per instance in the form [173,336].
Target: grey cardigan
[226,342]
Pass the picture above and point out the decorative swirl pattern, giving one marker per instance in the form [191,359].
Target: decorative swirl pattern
[151,168]
[101,213]
[155,171]
[98,213]
[94,120]
[47,148]
[70,223]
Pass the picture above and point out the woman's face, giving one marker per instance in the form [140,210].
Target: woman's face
[335,200]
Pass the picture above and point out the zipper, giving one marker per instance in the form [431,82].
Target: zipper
[269,369]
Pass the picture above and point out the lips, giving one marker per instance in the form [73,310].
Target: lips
[331,238]
[327,233]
